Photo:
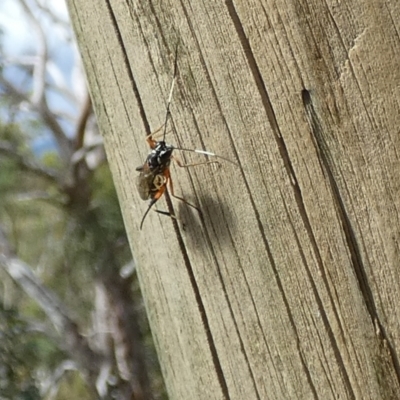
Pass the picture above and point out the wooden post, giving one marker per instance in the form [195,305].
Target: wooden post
[287,286]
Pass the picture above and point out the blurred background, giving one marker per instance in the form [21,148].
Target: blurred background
[72,320]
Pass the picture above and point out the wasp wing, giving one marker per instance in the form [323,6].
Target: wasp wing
[149,182]
[144,182]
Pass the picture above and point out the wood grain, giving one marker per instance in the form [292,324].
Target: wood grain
[287,285]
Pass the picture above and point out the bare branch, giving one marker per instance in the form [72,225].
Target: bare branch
[54,18]
[102,338]
[39,72]
[127,270]
[51,385]
[33,326]
[65,145]
[43,196]
[125,329]
[55,310]
[85,113]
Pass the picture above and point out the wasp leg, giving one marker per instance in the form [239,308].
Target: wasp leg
[180,164]
[150,137]
[171,188]
[156,132]
[166,213]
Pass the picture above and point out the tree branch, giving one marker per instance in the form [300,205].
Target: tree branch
[39,66]
[64,144]
[51,384]
[85,113]
[8,150]
[56,20]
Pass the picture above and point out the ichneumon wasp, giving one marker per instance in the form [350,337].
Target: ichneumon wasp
[154,174]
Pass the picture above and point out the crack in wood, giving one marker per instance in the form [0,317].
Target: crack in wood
[359,269]
[189,268]
[128,68]
[200,305]
[285,156]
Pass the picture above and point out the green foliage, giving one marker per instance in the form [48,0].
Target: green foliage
[106,204]
[73,383]
[22,354]
[17,355]
[51,159]
[69,248]
[12,134]
[9,176]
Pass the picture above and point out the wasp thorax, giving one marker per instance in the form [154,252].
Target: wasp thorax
[160,156]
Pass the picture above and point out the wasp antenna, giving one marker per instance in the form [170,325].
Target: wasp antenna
[171,91]
[207,153]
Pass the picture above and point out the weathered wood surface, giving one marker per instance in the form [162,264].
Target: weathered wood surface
[288,288]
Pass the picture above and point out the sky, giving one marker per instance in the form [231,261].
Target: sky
[20,42]
[17,31]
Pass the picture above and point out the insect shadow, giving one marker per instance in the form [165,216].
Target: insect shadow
[214,216]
